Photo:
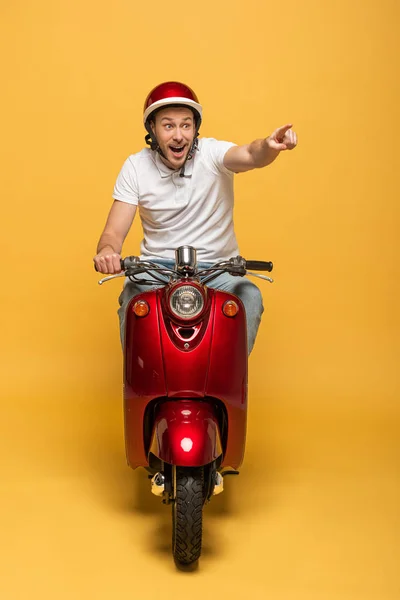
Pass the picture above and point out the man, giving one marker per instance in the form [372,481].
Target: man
[184,189]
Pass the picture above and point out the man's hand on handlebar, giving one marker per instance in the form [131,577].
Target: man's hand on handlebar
[107,261]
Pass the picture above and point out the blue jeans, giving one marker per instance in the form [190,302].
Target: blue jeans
[242,287]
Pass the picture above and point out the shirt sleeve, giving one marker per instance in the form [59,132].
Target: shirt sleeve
[214,152]
[126,187]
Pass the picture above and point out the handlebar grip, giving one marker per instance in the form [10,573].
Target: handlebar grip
[259,265]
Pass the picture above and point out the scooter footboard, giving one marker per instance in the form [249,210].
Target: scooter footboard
[186,433]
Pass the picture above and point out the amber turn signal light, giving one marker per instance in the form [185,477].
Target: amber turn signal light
[141,308]
[230,308]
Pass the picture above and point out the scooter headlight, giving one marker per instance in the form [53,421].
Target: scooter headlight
[186,302]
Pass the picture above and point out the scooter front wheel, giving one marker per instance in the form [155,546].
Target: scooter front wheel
[187,513]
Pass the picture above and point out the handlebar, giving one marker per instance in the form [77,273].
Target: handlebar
[236,266]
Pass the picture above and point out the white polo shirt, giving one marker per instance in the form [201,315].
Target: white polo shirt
[194,210]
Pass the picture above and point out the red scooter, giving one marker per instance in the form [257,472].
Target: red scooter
[185,386]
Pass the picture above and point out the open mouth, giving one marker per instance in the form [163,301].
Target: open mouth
[177,151]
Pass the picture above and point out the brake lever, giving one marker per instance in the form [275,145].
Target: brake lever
[260,276]
[122,274]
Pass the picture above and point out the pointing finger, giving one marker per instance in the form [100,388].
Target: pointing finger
[280,132]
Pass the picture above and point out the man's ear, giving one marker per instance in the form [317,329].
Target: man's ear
[152,126]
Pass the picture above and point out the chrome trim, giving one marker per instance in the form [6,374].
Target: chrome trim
[185,260]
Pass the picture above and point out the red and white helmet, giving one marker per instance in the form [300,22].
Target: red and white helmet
[172,93]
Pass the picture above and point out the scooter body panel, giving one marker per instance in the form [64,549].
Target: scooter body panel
[159,366]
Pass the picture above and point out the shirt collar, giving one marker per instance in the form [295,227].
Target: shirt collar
[166,172]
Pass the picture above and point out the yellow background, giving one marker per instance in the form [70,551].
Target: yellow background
[314,513]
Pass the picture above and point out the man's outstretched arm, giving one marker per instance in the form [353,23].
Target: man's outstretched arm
[260,153]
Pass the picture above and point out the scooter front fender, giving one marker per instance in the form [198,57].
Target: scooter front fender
[186,433]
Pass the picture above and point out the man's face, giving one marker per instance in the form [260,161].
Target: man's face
[174,129]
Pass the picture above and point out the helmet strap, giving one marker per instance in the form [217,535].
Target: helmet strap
[151,140]
[153,144]
[193,149]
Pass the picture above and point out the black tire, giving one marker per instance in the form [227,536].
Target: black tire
[187,514]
